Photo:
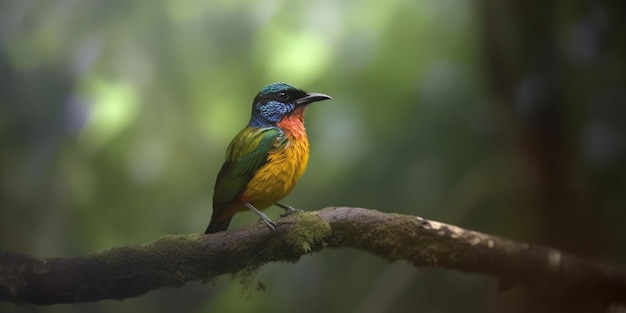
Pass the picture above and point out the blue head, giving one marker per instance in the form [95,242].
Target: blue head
[278,100]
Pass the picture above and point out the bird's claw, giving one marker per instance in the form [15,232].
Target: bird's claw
[289,212]
[269,223]
[288,209]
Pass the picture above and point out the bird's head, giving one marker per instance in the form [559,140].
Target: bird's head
[280,100]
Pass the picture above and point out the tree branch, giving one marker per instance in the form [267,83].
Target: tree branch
[173,260]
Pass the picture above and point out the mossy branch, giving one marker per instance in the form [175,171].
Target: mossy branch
[173,260]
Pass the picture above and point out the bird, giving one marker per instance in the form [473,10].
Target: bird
[265,159]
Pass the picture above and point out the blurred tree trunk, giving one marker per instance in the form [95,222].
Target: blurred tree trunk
[527,73]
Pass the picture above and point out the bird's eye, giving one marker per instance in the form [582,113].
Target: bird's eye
[283,96]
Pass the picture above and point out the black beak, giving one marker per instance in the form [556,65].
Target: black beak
[311,97]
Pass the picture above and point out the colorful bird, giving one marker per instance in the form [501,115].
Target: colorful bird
[266,159]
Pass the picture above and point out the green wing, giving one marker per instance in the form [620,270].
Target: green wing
[246,153]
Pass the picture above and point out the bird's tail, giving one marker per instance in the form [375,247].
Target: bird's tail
[217,225]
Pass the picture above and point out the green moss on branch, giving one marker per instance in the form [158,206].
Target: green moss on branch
[173,260]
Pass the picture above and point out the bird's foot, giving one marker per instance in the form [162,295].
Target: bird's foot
[288,209]
[268,222]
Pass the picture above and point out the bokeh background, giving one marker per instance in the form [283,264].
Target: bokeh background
[506,117]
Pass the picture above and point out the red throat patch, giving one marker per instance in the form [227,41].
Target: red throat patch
[293,124]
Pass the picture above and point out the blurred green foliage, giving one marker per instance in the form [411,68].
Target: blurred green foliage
[115,115]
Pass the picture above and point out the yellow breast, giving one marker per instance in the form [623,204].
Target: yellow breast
[279,175]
